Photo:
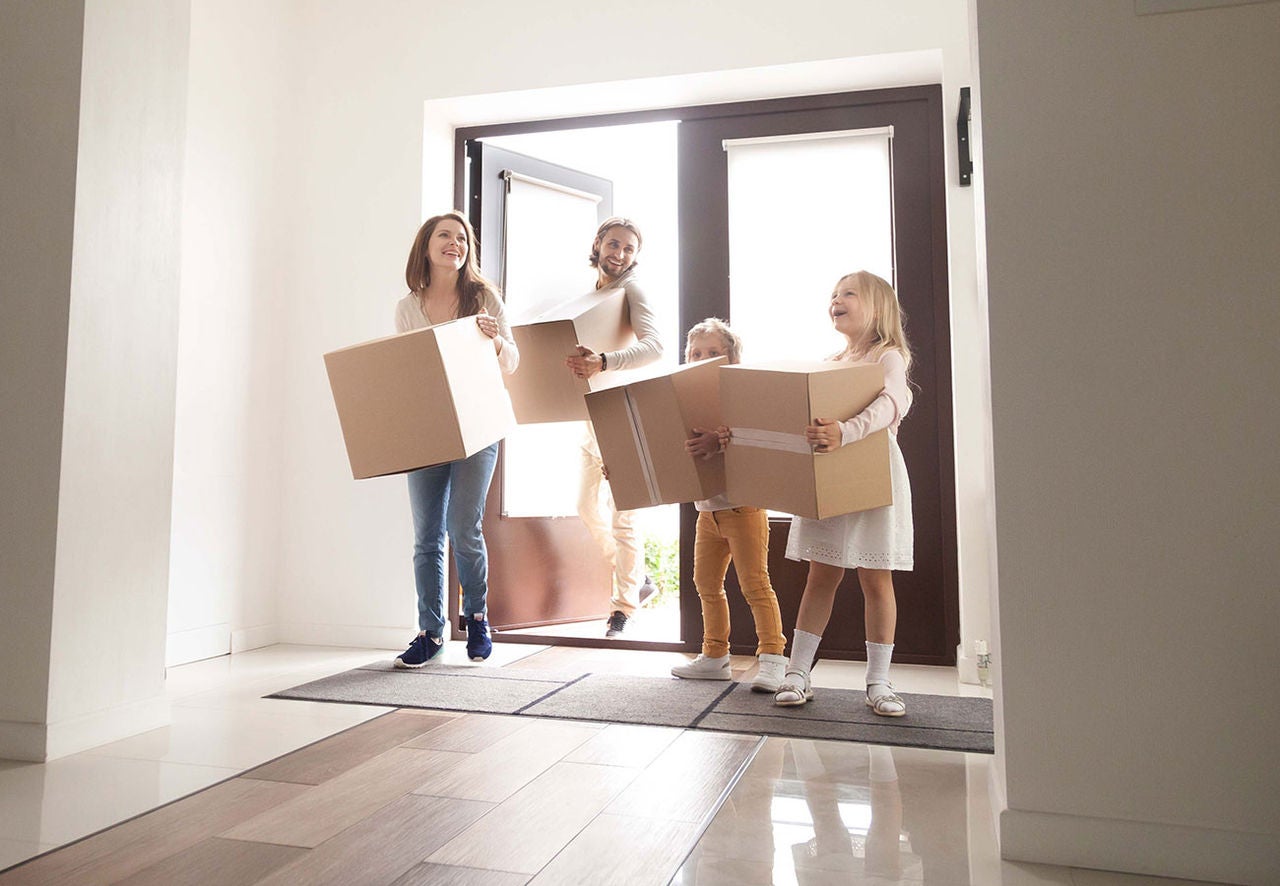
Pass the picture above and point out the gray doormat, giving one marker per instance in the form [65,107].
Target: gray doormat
[932,721]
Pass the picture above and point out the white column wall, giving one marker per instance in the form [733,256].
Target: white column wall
[1132,197]
[345,574]
[40,48]
[106,673]
[237,254]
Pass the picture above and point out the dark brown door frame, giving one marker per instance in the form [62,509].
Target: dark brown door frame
[928,597]
[933,270]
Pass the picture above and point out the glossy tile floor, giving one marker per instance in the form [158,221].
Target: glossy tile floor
[428,797]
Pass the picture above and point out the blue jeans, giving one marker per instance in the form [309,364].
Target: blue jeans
[450,498]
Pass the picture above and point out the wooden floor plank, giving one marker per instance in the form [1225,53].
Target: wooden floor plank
[525,832]
[623,744]
[507,765]
[324,810]
[148,839]
[444,875]
[225,862]
[470,733]
[385,845]
[326,759]
[654,852]
[686,781]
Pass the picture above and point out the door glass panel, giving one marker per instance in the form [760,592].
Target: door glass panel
[546,226]
[803,211]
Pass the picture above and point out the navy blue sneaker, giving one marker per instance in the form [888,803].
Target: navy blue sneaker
[422,650]
[478,643]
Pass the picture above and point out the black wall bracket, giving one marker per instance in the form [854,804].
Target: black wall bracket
[962,142]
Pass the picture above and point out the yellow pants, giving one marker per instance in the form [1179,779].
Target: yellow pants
[740,535]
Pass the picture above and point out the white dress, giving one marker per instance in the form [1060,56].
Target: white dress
[882,538]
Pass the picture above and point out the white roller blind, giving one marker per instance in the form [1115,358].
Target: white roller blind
[803,211]
[548,231]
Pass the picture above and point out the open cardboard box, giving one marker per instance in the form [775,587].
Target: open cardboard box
[420,398]
[769,464]
[642,426]
[543,389]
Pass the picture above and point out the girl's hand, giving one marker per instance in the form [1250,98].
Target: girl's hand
[488,325]
[823,435]
[583,364]
[703,443]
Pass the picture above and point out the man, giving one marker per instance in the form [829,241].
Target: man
[613,255]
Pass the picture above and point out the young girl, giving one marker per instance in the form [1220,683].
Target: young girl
[444,284]
[865,310]
[727,533]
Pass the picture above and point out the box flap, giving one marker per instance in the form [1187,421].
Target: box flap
[480,400]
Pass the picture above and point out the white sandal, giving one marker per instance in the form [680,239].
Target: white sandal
[886,704]
[794,690]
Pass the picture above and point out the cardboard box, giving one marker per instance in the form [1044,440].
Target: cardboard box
[642,427]
[543,389]
[769,464]
[420,398]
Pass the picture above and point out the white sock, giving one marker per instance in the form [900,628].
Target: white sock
[878,657]
[804,648]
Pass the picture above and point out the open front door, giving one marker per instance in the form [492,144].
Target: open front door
[832,212]
[535,221]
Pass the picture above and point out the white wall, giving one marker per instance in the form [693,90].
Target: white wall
[1132,196]
[237,253]
[105,641]
[39,115]
[345,571]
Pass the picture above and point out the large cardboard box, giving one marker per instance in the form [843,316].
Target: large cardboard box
[420,398]
[543,389]
[769,464]
[642,427]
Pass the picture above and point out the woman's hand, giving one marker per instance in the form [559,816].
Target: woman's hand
[583,364]
[488,325]
[823,435]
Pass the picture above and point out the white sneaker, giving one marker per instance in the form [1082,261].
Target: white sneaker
[703,668]
[770,673]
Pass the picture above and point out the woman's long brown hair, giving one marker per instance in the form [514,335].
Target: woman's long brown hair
[472,285]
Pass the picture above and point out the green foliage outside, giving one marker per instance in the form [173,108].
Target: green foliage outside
[662,563]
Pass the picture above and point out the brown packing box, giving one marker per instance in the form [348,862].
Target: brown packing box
[772,403]
[642,427]
[420,398]
[543,389]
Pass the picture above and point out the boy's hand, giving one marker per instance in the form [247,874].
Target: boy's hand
[823,435]
[704,443]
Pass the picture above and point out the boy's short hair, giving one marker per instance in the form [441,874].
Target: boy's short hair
[716,326]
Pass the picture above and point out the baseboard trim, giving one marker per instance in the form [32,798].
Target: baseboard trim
[358,636]
[197,644]
[1140,847]
[254,638]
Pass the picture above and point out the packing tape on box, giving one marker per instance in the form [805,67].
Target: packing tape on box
[642,447]
[778,440]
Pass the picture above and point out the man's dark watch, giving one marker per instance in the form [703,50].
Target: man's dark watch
[604,362]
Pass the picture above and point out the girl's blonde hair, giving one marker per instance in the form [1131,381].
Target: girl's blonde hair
[887,321]
[716,326]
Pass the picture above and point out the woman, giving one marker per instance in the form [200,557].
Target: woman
[445,284]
